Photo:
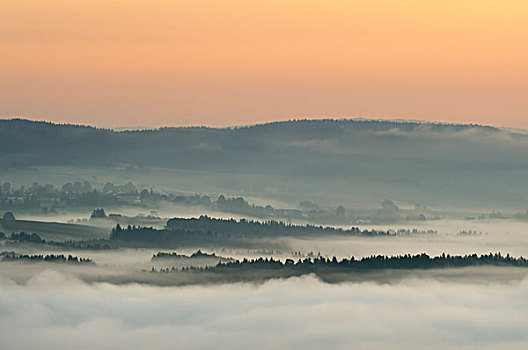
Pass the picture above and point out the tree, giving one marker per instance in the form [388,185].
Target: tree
[78,187]
[8,216]
[98,213]
[109,188]
[6,187]
[340,211]
[144,195]
[87,187]
[309,206]
[68,187]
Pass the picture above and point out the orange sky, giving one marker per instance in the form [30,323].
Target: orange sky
[152,62]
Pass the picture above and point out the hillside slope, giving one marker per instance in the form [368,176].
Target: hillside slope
[408,161]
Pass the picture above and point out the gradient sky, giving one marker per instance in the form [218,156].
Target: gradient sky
[153,62]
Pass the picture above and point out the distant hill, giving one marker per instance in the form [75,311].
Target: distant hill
[53,230]
[407,161]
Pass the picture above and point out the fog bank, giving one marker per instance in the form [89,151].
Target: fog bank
[54,310]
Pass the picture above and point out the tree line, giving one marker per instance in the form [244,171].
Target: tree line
[56,258]
[407,261]
[325,268]
[183,232]
[263,228]
[92,244]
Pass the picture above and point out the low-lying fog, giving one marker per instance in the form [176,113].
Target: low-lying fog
[477,307]
[62,312]
[505,236]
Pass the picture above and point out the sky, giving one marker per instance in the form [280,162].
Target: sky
[232,62]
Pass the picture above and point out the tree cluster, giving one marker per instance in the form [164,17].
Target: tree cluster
[59,258]
[263,229]
[374,262]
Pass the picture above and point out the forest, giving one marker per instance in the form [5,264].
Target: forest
[245,227]
[53,258]
[332,270]
[367,160]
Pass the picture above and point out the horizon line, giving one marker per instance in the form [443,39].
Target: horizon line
[239,126]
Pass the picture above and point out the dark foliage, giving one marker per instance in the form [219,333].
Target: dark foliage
[182,232]
[26,237]
[197,254]
[92,244]
[12,256]
[334,270]
[8,216]
[151,237]
[262,229]
[48,197]
[407,261]
[98,214]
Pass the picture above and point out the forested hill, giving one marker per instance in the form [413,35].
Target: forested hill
[473,162]
[266,146]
